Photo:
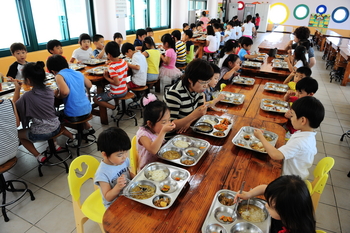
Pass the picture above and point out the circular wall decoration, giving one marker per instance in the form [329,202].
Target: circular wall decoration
[301,11]
[340,14]
[279,13]
[240,5]
[321,9]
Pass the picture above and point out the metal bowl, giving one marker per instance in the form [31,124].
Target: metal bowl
[165,198]
[281,109]
[211,119]
[154,168]
[248,130]
[256,203]
[200,144]
[228,195]
[245,227]
[224,211]
[171,183]
[256,142]
[138,183]
[187,159]
[193,152]
[200,127]
[185,140]
[269,137]
[179,175]
[166,149]
[241,142]
[215,228]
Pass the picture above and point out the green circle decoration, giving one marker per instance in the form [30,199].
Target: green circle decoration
[301,6]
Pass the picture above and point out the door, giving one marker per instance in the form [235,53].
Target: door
[263,10]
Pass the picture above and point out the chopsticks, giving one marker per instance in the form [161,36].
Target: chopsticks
[237,199]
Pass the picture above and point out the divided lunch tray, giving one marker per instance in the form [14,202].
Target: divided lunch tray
[276,87]
[213,223]
[251,64]
[243,80]
[245,138]
[97,70]
[278,106]
[213,120]
[260,58]
[176,178]
[94,61]
[232,98]
[189,150]
[281,56]
[280,65]
[76,66]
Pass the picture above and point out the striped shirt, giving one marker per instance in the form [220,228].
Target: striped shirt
[180,48]
[118,69]
[8,131]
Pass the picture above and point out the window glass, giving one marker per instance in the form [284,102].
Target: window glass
[191,5]
[154,13]
[77,17]
[301,11]
[128,20]
[200,5]
[164,13]
[11,27]
[340,14]
[279,13]
[140,14]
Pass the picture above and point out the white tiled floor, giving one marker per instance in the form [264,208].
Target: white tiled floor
[52,210]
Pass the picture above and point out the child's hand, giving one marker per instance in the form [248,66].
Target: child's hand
[258,133]
[286,59]
[244,195]
[255,55]
[288,114]
[106,74]
[168,127]
[17,83]
[121,182]
[221,97]
[200,111]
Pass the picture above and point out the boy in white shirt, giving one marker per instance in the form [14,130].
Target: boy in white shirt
[307,113]
[217,35]
[85,51]
[228,31]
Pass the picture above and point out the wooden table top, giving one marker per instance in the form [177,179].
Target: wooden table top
[275,40]
[224,166]
[338,42]
[266,70]
[328,32]
[345,52]
[283,29]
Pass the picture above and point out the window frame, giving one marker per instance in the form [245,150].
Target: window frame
[24,12]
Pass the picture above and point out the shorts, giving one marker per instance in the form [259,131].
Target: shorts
[248,36]
[41,137]
[207,50]
[152,77]
[107,96]
[132,85]
[64,118]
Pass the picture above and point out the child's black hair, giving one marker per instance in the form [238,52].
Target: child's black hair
[210,31]
[193,25]
[200,23]
[204,13]
[113,140]
[126,47]
[240,40]
[249,18]
[305,43]
[299,54]
[113,49]
[52,44]
[56,63]
[84,36]
[149,30]
[189,33]
[216,69]
[154,112]
[117,35]
[230,58]
[197,69]
[216,25]
[307,84]
[231,23]
[304,70]
[167,38]
[96,37]
[140,32]
[229,45]
[147,40]
[310,108]
[246,41]
[176,34]
[35,73]
[289,196]
[184,25]
[17,46]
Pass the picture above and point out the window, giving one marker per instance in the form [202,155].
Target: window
[35,22]
[279,13]
[301,11]
[147,13]
[340,14]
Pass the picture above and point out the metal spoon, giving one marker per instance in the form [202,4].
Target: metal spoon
[237,199]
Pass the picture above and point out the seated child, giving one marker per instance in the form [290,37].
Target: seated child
[307,113]
[193,27]
[138,66]
[152,57]
[189,50]
[19,51]
[228,32]
[116,75]
[217,35]
[300,73]
[113,173]
[244,52]
[54,47]
[84,52]
[99,43]
[150,136]
[149,33]
[180,49]
[140,36]
[118,37]
[185,27]
[229,48]
[208,93]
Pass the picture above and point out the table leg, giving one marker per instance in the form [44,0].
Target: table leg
[102,112]
[346,75]
[323,41]
[200,51]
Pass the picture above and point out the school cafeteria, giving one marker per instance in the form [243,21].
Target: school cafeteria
[175,116]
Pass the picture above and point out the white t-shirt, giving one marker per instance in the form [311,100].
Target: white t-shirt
[139,77]
[248,29]
[239,30]
[82,55]
[212,43]
[299,64]
[218,39]
[221,61]
[227,37]
[233,34]
[299,153]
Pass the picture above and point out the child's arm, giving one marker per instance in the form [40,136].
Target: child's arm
[111,193]
[134,67]
[62,90]
[101,54]
[288,114]
[212,103]
[288,95]
[270,149]
[290,76]
[231,72]
[165,59]
[153,147]
[16,94]
[145,54]
[114,81]
[138,48]
[290,65]
[247,56]
[258,190]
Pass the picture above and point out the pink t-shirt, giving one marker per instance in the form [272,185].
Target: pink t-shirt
[205,21]
[144,156]
[170,53]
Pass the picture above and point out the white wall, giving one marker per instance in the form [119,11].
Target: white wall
[179,13]
[312,4]
[212,6]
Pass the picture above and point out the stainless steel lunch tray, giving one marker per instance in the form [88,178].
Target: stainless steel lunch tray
[262,54]
[248,131]
[271,105]
[231,98]
[259,58]
[76,66]
[176,179]
[243,80]
[193,152]
[269,86]
[252,64]
[212,119]
[281,56]
[94,61]
[212,223]
[97,70]
[280,65]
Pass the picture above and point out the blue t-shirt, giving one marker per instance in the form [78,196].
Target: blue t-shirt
[110,174]
[242,52]
[137,42]
[76,103]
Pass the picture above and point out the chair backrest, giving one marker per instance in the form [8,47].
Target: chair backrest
[76,182]
[133,156]
[190,55]
[322,168]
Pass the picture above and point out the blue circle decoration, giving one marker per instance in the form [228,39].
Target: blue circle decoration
[345,17]
[321,7]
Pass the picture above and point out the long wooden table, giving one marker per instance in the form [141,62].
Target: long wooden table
[224,166]
[345,53]
[322,34]
[283,29]
[275,40]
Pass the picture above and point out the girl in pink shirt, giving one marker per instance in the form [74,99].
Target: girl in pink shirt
[168,69]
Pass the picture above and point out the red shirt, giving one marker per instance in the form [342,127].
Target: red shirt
[118,69]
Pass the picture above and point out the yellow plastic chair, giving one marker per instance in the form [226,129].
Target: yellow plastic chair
[92,208]
[133,156]
[319,231]
[317,186]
